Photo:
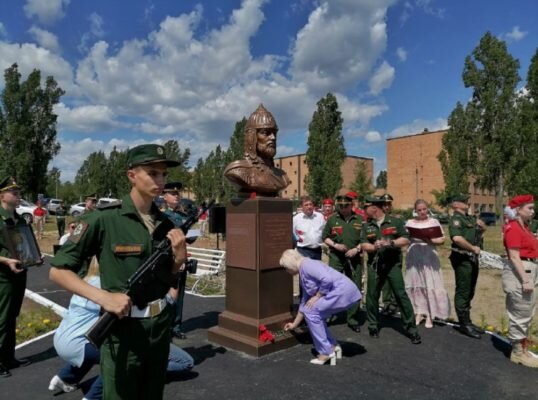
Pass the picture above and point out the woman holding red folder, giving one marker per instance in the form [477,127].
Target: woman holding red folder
[423,278]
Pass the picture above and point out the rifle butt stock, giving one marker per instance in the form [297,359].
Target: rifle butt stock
[101,329]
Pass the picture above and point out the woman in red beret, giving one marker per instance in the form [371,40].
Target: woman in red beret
[520,278]
[327,208]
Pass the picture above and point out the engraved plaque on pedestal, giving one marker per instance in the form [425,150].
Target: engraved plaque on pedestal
[258,290]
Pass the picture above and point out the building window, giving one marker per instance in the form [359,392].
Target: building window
[291,163]
[285,192]
[476,207]
[295,172]
[491,207]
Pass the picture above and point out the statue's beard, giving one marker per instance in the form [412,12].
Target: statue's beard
[266,151]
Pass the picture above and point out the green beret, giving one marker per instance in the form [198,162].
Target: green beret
[462,198]
[8,183]
[148,154]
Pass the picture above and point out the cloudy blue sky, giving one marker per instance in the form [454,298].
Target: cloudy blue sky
[143,71]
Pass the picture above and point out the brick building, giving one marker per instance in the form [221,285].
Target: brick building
[296,168]
[413,172]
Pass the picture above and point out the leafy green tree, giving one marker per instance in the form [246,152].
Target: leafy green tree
[457,156]
[236,151]
[492,73]
[117,184]
[381,181]
[326,150]
[525,167]
[362,183]
[28,128]
[92,176]
[53,183]
[180,173]
[441,197]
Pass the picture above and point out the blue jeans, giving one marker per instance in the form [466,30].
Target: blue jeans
[178,361]
[73,375]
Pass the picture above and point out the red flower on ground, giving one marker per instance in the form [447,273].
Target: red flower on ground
[265,334]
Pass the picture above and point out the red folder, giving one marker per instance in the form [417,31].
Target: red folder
[425,233]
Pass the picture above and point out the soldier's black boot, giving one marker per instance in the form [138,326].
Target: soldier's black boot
[467,330]
[4,372]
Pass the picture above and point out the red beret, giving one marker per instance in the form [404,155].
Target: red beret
[352,195]
[521,199]
[328,201]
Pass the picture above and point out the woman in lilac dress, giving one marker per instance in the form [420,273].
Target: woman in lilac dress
[423,277]
[325,292]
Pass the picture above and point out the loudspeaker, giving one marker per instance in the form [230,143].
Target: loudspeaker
[217,219]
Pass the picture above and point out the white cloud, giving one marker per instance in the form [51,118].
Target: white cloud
[382,78]
[402,54]
[28,56]
[190,83]
[45,39]
[339,44]
[516,34]
[96,32]
[46,11]
[418,126]
[74,152]
[373,136]
[88,118]
[425,6]
[3,31]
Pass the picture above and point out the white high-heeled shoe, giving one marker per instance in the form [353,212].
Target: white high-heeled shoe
[331,359]
[338,351]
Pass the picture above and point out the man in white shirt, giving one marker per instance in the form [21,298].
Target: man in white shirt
[307,230]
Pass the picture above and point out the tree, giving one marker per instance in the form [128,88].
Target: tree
[492,73]
[53,182]
[236,151]
[457,156]
[326,150]
[180,173]
[117,184]
[362,183]
[92,176]
[381,181]
[28,128]
[525,167]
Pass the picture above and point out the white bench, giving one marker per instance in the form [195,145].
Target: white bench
[210,262]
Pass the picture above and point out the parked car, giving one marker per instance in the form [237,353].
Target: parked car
[105,200]
[76,209]
[26,210]
[489,218]
[53,204]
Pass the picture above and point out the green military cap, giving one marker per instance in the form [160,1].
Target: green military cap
[148,154]
[373,200]
[387,198]
[8,183]
[462,198]
[92,196]
[343,200]
[172,187]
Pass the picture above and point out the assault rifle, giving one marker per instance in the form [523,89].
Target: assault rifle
[156,267]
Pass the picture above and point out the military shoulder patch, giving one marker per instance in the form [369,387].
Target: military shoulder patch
[79,231]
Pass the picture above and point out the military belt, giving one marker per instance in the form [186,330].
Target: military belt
[464,252]
[152,310]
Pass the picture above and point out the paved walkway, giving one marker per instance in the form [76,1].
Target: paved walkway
[446,366]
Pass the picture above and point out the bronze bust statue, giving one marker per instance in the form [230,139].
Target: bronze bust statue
[257,172]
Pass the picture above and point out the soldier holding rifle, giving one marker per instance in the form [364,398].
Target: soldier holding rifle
[466,234]
[120,237]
